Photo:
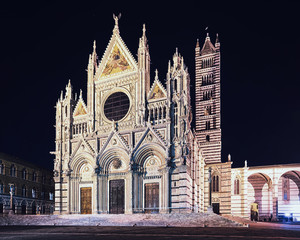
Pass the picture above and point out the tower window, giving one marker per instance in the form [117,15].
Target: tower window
[175,85]
[207,125]
[215,183]
[207,138]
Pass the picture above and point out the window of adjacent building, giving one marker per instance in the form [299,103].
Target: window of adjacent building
[236,186]
[285,189]
[50,196]
[44,179]
[33,193]
[1,187]
[24,191]
[13,170]
[34,177]
[24,174]
[43,195]
[215,183]
[1,169]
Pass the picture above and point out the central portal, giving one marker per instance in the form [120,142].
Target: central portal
[116,196]
[151,198]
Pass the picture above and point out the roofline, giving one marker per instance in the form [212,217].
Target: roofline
[14,159]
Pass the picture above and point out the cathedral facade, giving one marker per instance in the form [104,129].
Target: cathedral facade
[130,147]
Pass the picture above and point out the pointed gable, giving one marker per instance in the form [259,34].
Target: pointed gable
[157,91]
[116,63]
[117,59]
[80,108]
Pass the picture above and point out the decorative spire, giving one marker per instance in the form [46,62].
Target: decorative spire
[94,47]
[197,43]
[144,30]
[217,43]
[156,74]
[207,36]
[246,163]
[229,158]
[169,66]
[80,94]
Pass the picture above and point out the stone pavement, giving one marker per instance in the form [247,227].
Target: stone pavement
[144,233]
[172,220]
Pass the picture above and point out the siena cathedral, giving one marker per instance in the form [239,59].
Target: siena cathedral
[129,148]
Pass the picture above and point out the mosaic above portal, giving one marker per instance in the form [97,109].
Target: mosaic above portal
[116,63]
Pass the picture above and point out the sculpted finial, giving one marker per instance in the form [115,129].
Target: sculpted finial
[116,18]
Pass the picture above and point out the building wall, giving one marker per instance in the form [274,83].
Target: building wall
[37,181]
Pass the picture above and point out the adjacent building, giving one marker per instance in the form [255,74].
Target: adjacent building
[31,187]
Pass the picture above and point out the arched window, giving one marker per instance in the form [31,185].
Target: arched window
[175,85]
[215,183]
[175,120]
[33,192]
[34,177]
[24,174]
[24,191]
[13,170]
[236,186]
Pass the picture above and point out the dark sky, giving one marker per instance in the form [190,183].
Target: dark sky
[42,46]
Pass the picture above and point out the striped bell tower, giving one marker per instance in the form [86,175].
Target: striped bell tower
[208,122]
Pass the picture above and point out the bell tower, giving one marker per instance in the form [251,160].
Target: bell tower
[208,111]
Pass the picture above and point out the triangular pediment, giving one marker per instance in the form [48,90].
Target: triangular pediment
[151,136]
[114,140]
[157,91]
[80,108]
[82,147]
[117,59]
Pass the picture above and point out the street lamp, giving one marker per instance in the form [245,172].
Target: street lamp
[11,192]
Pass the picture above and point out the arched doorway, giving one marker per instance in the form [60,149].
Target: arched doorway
[33,208]
[254,212]
[260,193]
[23,207]
[289,196]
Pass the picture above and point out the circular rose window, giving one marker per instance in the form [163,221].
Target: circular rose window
[116,106]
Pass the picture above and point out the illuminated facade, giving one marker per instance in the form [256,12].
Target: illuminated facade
[130,148]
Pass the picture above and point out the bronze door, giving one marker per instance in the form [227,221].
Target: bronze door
[151,198]
[116,196]
[86,200]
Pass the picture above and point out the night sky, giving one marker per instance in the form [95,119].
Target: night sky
[43,46]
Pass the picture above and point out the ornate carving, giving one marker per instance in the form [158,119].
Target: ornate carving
[117,163]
